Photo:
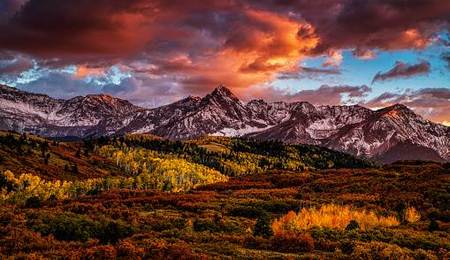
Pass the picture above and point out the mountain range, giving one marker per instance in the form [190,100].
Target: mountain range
[386,135]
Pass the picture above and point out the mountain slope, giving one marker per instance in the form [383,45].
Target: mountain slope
[380,134]
[390,127]
[41,114]
[364,132]
[52,159]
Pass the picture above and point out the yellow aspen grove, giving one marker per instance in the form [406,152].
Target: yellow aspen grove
[330,216]
[169,174]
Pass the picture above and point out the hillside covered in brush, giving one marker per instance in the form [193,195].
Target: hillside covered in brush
[141,196]
[397,211]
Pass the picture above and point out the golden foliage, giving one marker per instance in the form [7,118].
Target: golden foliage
[412,215]
[19,189]
[330,216]
[153,172]
[179,175]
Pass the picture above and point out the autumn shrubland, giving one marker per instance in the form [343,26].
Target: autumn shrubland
[139,196]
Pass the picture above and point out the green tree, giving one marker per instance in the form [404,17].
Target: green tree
[263,226]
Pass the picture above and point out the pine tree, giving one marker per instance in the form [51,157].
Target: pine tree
[263,226]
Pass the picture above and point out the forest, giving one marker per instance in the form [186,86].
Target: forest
[144,197]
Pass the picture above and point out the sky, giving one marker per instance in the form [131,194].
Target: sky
[152,52]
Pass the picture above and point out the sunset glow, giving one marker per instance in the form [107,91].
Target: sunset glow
[161,51]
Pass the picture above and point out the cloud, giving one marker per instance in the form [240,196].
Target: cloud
[171,48]
[403,70]
[334,59]
[324,95]
[240,43]
[224,42]
[9,7]
[60,85]
[332,95]
[375,24]
[432,103]
[446,58]
[140,90]
[113,27]
[309,72]
[83,71]
[64,29]
[14,65]
[364,54]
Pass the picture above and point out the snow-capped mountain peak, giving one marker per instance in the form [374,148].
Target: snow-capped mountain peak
[224,92]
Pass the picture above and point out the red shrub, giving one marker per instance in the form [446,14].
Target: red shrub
[129,250]
[293,243]
[101,252]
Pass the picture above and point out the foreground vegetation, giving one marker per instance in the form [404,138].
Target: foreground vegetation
[224,198]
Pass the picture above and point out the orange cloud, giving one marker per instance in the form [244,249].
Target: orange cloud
[267,53]
[251,54]
[174,48]
[83,71]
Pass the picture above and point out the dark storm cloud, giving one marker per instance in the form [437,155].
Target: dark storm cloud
[68,28]
[9,7]
[219,41]
[403,70]
[367,25]
[173,47]
[111,28]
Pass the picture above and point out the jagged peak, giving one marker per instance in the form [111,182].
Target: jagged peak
[396,107]
[397,111]
[222,90]
[399,107]
[222,87]
[220,94]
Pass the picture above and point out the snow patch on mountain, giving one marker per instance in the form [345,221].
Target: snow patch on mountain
[230,132]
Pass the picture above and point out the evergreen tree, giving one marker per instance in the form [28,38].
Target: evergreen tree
[433,226]
[353,225]
[263,226]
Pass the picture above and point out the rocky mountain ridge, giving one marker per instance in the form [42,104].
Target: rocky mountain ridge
[382,134]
